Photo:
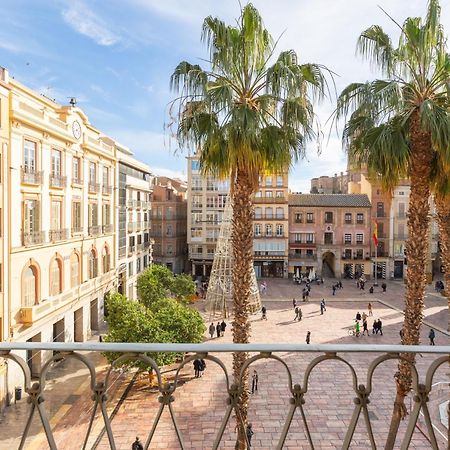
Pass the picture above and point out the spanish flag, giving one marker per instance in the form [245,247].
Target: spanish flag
[375,234]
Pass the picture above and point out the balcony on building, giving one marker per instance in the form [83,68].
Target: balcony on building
[33,238]
[94,230]
[58,235]
[302,256]
[30,176]
[106,189]
[107,228]
[77,181]
[94,188]
[131,250]
[269,199]
[77,230]
[57,180]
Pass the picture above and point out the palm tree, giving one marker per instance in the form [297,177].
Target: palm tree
[397,126]
[245,116]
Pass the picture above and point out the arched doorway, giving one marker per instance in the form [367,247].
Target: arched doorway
[328,265]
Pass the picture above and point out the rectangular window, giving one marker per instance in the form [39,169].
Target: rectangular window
[279,230]
[269,194]
[76,169]
[138,265]
[268,230]
[328,217]
[258,194]
[347,238]
[360,218]
[309,238]
[76,216]
[328,238]
[348,218]
[29,157]
[359,253]
[297,237]
[257,229]
[105,176]
[130,269]
[106,214]
[56,163]
[92,172]
[31,214]
[298,217]
[359,238]
[279,194]
[93,214]
[55,215]
[279,180]
[268,181]
[309,217]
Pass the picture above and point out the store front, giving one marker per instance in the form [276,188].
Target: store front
[269,269]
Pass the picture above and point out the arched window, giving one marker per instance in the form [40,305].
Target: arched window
[93,264]
[106,259]
[56,276]
[30,286]
[74,269]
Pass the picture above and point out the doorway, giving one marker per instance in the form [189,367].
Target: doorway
[78,325]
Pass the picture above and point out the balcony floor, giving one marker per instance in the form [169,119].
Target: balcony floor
[200,403]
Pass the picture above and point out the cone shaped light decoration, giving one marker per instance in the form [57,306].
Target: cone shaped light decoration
[220,286]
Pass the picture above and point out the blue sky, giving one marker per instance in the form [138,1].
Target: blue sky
[116,57]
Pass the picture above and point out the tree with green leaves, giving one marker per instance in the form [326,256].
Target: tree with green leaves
[246,112]
[398,126]
[158,282]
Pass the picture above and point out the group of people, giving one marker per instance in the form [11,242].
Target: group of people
[199,367]
[377,326]
[219,329]
[336,286]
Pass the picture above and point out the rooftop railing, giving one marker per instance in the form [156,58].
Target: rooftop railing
[297,387]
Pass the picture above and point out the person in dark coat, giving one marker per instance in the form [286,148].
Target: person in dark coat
[384,286]
[197,365]
[223,325]
[254,381]
[431,336]
[365,327]
[380,327]
[218,329]
[249,433]
[358,316]
[212,329]
[308,337]
[296,313]
[334,289]
[264,313]
[322,306]
[137,445]
[202,367]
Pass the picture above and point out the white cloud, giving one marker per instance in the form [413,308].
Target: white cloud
[84,21]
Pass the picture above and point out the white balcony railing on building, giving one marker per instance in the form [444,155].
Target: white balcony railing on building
[58,235]
[30,176]
[298,388]
[57,180]
[33,238]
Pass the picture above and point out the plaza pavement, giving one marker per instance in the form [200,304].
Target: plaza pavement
[199,403]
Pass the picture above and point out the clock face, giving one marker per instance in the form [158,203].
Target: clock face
[76,129]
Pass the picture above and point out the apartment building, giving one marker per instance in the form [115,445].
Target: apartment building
[4,141]
[206,203]
[133,215]
[169,223]
[61,248]
[329,234]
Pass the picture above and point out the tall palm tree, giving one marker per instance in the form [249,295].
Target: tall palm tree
[245,116]
[397,126]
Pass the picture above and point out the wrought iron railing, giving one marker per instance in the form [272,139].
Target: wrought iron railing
[298,392]
[58,235]
[57,180]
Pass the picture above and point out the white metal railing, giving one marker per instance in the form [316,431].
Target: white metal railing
[362,386]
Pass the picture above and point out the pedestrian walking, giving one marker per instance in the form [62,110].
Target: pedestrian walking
[369,308]
[384,287]
[137,444]
[308,337]
[371,290]
[334,289]
[357,328]
[322,306]
[202,367]
[294,303]
[375,327]
[264,313]
[197,365]
[223,325]
[296,313]
[249,433]
[212,329]
[364,316]
[365,327]
[358,316]
[218,329]
[304,297]
[254,381]
[300,314]
[380,327]
[431,336]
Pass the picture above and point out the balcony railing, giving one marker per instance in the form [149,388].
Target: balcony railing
[269,200]
[94,230]
[296,392]
[106,189]
[302,256]
[94,188]
[77,180]
[269,217]
[33,238]
[108,228]
[58,235]
[77,230]
[30,176]
[57,180]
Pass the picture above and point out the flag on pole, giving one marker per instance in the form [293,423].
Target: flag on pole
[375,234]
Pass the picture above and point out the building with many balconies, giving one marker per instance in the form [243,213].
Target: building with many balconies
[329,234]
[133,217]
[61,225]
[169,223]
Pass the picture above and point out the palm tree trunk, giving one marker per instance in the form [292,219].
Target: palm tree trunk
[242,240]
[443,220]
[416,252]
